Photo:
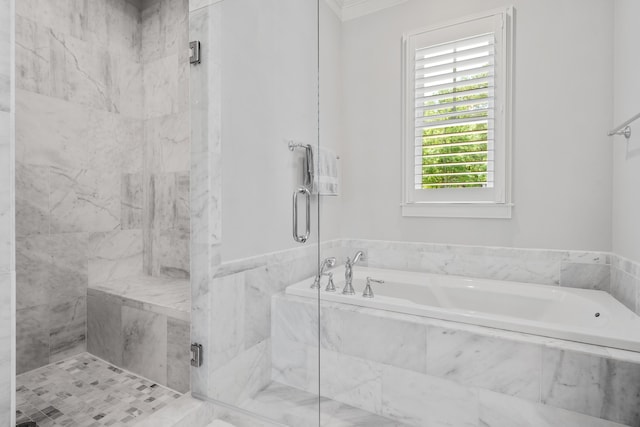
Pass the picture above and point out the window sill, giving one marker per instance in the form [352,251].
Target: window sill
[458,210]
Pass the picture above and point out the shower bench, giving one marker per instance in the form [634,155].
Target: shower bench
[142,324]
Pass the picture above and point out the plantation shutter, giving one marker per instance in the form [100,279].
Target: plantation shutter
[454,114]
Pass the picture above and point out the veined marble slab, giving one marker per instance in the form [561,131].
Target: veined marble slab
[384,372]
[294,407]
[141,324]
[171,297]
[541,266]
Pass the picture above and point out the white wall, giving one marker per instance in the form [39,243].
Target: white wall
[562,112]
[626,155]
[331,114]
[270,95]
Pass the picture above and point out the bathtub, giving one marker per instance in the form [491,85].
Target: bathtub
[582,315]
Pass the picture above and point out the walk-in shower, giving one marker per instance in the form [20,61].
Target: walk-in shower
[102,170]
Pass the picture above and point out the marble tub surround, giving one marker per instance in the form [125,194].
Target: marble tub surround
[582,269]
[142,324]
[603,271]
[244,346]
[468,375]
[240,340]
[625,282]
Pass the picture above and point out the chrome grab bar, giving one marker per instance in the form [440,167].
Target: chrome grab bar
[297,237]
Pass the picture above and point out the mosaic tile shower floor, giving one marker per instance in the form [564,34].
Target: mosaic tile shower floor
[84,391]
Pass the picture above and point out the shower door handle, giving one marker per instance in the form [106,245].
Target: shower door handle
[297,237]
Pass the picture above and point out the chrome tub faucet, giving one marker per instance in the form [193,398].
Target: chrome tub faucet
[348,272]
[368,292]
[327,263]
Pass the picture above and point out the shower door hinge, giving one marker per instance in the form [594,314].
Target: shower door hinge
[194,52]
[196,355]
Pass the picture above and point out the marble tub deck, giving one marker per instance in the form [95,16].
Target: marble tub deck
[171,297]
[86,391]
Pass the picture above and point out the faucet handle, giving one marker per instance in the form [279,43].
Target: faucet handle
[331,287]
[329,262]
[368,292]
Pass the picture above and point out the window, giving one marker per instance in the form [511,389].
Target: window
[457,111]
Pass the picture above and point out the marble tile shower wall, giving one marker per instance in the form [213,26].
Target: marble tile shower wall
[205,19]
[165,57]
[7,239]
[78,165]
[102,159]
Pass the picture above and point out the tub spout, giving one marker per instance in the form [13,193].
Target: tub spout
[348,273]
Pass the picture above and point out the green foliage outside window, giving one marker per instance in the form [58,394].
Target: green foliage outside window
[438,141]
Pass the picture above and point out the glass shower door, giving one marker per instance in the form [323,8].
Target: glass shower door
[254,108]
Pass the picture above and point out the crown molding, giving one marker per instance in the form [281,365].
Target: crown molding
[351,9]
[336,6]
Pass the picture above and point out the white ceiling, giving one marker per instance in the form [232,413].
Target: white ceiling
[351,9]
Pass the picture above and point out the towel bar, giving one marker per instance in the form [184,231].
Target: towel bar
[624,128]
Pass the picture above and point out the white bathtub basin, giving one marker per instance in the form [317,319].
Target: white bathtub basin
[587,316]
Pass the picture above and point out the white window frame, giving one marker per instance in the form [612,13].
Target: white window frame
[492,202]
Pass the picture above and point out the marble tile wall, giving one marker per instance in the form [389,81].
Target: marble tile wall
[205,182]
[421,371]
[625,282]
[7,205]
[102,159]
[580,269]
[583,269]
[240,331]
[603,271]
[79,162]
[165,58]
